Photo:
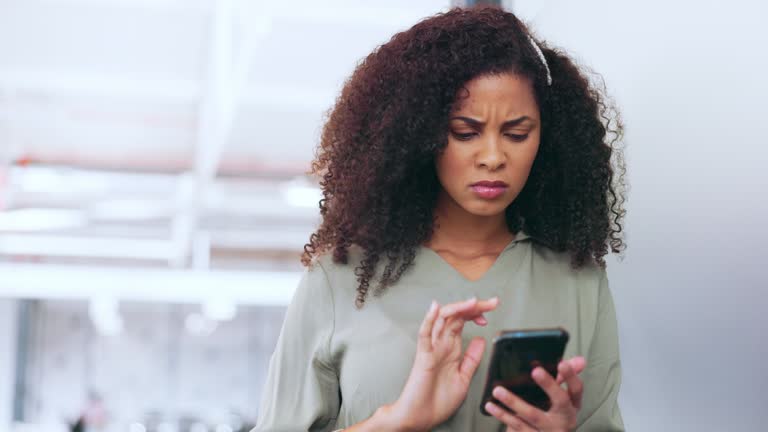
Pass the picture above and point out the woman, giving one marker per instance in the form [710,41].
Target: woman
[466,173]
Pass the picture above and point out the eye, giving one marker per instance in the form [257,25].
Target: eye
[463,136]
[517,138]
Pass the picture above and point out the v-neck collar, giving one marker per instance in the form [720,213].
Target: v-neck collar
[490,272]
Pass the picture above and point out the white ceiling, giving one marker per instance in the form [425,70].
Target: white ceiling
[172,133]
[120,84]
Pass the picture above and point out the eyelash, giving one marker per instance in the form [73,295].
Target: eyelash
[468,136]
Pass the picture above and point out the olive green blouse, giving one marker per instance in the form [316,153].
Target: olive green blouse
[334,364]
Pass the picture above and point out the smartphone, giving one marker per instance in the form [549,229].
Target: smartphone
[515,354]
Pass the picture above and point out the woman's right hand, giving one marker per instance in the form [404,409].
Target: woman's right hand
[441,374]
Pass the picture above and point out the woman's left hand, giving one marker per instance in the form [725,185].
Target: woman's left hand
[565,402]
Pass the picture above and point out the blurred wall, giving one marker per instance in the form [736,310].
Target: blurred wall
[690,80]
[157,367]
[8,310]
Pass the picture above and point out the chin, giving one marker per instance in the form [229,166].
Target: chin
[486,208]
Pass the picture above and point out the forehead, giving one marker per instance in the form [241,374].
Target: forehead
[505,93]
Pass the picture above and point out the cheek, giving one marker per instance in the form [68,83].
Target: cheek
[522,161]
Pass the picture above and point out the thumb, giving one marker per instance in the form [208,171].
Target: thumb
[472,358]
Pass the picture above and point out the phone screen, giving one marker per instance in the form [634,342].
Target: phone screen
[515,354]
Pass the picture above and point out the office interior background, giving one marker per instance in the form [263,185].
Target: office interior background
[153,199]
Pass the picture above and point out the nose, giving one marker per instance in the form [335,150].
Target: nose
[490,155]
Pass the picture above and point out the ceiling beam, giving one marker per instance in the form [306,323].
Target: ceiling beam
[88,84]
[44,281]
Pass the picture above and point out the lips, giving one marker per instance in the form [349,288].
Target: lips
[488,183]
[487,189]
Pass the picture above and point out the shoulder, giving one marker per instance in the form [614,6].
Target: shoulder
[558,263]
[555,266]
[343,280]
[339,277]
[336,270]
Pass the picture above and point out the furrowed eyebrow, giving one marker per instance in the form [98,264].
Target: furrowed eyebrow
[479,124]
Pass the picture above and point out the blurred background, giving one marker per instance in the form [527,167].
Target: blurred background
[153,202]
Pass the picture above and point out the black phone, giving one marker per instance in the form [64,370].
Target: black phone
[515,354]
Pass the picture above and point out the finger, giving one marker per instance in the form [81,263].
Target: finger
[488,305]
[459,312]
[472,358]
[578,364]
[455,326]
[461,307]
[557,395]
[512,421]
[521,408]
[469,308]
[425,331]
[452,321]
[467,315]
[575,385]
[437,329]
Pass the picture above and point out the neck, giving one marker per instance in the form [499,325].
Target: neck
[456,228]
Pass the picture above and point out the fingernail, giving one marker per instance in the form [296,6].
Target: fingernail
[498,392]
[489,407]
[433,306]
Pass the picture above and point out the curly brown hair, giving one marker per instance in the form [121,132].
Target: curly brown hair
[378,147]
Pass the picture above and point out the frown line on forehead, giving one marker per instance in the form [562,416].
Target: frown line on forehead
[507,124]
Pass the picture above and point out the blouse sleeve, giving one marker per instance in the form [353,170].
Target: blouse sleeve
[602,377]
[302,386]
